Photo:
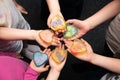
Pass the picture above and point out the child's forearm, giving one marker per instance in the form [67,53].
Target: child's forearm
[53,75]
[17,34]
[53,5]
[107,12]
[108,63]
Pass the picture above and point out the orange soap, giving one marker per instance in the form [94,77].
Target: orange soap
[46,33]
[78,47]
[58,55]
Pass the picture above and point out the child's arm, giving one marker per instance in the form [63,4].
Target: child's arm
[33,72]
[54,9]
[96,59]
[107,12]
[55,67]
[19,34]
[53,75]
[106,62]
[53,5]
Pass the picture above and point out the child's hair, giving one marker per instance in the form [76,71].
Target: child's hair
[4,15]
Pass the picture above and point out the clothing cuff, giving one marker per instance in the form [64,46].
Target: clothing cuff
[32,72]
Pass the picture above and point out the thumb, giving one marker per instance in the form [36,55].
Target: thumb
[49,21]
[69,21]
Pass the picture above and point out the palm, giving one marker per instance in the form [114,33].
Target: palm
[56,66]
[86,56]
[51,16]
[54,40]
[82,28]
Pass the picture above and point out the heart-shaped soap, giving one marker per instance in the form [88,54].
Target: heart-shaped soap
[58,23]
[58,55]
[71,31]
[46,36]
[78,47]
[39,58]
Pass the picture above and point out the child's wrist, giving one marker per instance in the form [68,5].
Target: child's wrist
[93,58]
[88,24]
[55,10]
[55,70]
[35,33]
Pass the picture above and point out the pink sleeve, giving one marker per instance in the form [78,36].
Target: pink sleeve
[31,74]
[11,54]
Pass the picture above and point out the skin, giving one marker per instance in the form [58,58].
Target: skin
[55,68]
[18,34]
[108,63]
[42,68]
[107,12]
[54,9]
[20,8]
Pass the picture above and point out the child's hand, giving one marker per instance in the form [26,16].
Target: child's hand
[42,68]
[51,16]
[81,25]
[56,66]
[86,56]
[47,38]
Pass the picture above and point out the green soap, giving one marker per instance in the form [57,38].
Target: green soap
[69,27]
[70,31]
[67,34]
[74,31]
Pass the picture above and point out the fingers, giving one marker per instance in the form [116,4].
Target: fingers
[85,42]
[48,22]
[45,51]
[68,43]
[70,21]
[56,32]
[48,52]
[56,41]
[24,11]
[44,68]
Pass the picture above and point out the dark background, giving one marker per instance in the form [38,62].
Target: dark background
[74,69]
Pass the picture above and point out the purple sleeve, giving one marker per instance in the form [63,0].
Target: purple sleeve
[31,74]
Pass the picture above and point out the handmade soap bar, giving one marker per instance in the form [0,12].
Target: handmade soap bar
[39,58]
[58,23]
[70,32]
[78,47]
[46,36]
[58,55]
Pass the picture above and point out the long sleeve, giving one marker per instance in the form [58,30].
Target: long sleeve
[31,74]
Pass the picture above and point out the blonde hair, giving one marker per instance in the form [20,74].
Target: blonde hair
[3,14]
